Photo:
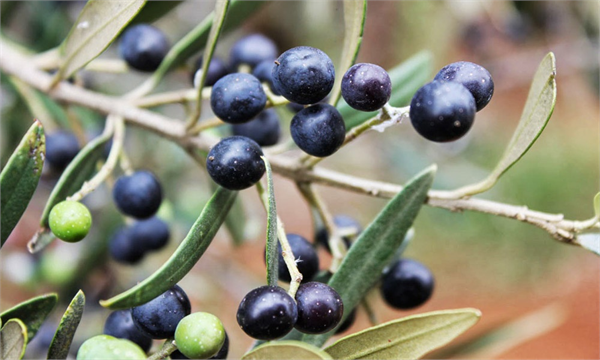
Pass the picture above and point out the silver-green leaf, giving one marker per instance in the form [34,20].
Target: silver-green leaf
[271,255]
[183,259]
[355,13]
[13,340]
[376,246]
[589,241]
[61,343]
[407,338]
[20,178]
[287,350]
[97,26]
[32,312]
[221,7]
[534,118]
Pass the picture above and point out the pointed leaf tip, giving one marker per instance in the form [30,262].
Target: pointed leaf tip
[407,338]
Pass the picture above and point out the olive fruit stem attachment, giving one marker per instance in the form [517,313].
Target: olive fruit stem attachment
[272,99]
[286,249]
[167,349]
[336,244]
[387,114]
[113,156]
[205,125]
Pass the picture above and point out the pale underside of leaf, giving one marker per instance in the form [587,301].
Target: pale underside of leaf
[407,338]
[590,242]
[61,343]
[534,118]
[13,339]
[98,25]
[287,350]
[271,254]
[355,13]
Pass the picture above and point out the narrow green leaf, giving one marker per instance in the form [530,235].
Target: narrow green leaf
[597,205]
[286,350]
[32,312]
[534,118]
[195,40]
[185,257]
[79,170]
[154,10]
[406,79]
[97,26]
[407,338]
[20,178]
[355,13]
[13,340]
[271,256]
[590,241]
[376,246]
[61,343]
[219,14]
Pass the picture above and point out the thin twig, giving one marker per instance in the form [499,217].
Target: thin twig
[20,66]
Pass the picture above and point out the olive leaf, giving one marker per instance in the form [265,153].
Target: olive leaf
[271,255]
[183,259]
[97,26]
[355,13]
[406,79]
[407,338]
[589,241]
[534,118]
[286,350]
[219,14]
[32,312]
[196,39]
[154,10]
[13,340]
[376,246]
[500,338]
[61,343]
[20,178]
[79,170]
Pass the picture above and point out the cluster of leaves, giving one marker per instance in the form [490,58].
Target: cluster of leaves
[360,269]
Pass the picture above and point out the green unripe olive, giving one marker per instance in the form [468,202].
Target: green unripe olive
[70,221]
[108,347]
[199,335]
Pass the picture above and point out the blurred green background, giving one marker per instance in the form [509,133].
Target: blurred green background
[501,266]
